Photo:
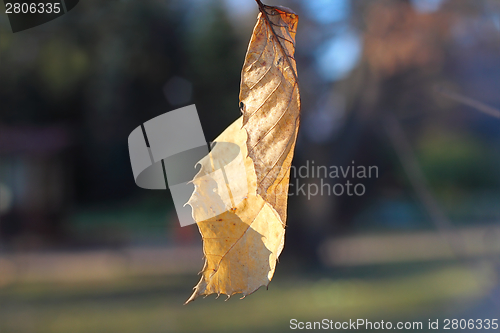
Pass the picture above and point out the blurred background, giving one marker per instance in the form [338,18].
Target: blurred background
[408,86]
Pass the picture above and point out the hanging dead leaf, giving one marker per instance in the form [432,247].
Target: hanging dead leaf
[240,198]
[270,99]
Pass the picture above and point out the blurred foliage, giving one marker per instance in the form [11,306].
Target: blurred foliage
[458,161]
[101,70]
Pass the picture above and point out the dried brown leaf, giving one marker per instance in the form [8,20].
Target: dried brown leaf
[270,100]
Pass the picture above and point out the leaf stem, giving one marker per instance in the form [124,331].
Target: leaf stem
[261,5]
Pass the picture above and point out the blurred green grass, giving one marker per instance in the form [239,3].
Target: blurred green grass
[155,304]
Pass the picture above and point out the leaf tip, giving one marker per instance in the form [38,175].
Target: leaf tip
[190,299]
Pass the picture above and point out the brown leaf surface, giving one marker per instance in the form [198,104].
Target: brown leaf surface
[270,100]
[243,236]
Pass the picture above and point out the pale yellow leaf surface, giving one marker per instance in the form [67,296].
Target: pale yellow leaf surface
[241,245]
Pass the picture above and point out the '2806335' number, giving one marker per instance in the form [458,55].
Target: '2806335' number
[32,8]
[454,324]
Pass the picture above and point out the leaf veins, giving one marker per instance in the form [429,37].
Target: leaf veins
[270,94]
